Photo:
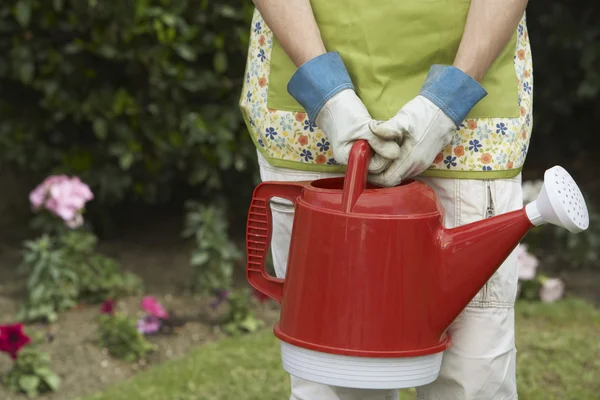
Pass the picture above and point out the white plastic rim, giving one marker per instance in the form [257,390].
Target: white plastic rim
[360,372]
[560,202]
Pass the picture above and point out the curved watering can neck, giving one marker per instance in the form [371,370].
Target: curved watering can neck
[357,169]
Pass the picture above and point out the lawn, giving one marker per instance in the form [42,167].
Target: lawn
[558,358]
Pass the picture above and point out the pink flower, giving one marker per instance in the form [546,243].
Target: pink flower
[153,307]
[64,197]
[552,289]
[527,263]
[149,324]
[68,198]
[38,196]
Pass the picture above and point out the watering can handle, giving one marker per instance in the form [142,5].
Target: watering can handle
[356,174]
[258,234]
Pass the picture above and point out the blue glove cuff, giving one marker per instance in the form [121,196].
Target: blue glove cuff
[452,90]
[318,80]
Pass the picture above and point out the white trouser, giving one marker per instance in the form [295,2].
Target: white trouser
[480,365]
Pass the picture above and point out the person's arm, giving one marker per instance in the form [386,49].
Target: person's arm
[489,27]
[294,26]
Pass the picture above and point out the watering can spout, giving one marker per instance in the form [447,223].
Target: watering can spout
[560,203]
[463,274]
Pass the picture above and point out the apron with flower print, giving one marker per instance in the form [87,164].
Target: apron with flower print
[388,48]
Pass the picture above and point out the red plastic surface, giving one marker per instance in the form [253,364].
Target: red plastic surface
[258,235]
[385,279]
[356,174]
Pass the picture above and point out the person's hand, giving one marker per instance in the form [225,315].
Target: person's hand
[345,119]
[424,126]
[323,87]
[423,130]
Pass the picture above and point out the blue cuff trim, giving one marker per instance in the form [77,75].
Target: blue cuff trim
[318,80]
[452,90]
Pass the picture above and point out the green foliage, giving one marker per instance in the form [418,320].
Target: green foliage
[51,285]
[530,290]
[138,98]
[565,40]
[119,335]
[65,270]
[581,250]
[31,373]
[48,223]
[99,277]
[215,255]
[568,251]
[240,318]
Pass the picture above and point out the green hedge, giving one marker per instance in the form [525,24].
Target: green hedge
[565,40]
[139,98]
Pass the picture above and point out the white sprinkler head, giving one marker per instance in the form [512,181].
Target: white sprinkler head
[560,202]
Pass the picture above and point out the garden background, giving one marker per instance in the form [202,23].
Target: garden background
[139,100]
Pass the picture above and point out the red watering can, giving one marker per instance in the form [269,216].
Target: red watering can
[374,279]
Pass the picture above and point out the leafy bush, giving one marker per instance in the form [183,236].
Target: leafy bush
[240,318]
[215,256]
[565,42]
[138,98]
[64,270]
[119,335]
[31,373]
[51,285]
[98,277]
[569,251]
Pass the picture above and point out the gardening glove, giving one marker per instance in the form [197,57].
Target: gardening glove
[424,126]
[324,88]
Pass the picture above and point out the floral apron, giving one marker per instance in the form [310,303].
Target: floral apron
[388,48]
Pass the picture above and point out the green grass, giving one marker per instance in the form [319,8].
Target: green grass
[558,358]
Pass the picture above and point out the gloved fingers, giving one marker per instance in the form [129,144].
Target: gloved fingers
[389,177]
[389,149]
[378,164]
[392,129]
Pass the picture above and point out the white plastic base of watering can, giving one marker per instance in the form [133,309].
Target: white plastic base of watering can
[360,372]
